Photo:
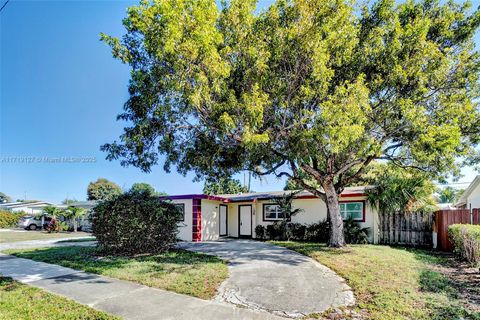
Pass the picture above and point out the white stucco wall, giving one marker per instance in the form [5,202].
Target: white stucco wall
[185,227]
[210,220]
[474,198]
[314,210]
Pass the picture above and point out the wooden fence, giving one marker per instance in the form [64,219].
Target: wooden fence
[444,218]
[408,229]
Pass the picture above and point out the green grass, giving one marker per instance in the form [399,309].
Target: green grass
[89,239]
[16,236]
[392,283]
[180,271]
[19,301]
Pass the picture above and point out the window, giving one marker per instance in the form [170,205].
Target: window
[352,210]
[181,211]
[272,212]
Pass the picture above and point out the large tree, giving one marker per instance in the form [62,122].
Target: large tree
[102,189]
[313,90]
[223,185]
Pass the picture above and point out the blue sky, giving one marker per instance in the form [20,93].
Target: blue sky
[60,91]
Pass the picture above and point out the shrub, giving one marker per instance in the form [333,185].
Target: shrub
[56,226]
[8,219]
[466,241]
[276,230]
[134,223]
[354,233]
[318,232]
[260,232]
[295,231]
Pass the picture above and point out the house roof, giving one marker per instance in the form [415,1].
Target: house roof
[253,196]
[463,199]
[81,204]
[12,205]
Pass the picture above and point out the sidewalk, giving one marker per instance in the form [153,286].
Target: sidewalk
[120,298]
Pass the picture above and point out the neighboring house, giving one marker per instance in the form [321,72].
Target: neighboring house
[34,207]
[471,196]
[236,215]
[85,222]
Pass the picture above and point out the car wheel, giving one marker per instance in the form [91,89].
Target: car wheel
[32,226]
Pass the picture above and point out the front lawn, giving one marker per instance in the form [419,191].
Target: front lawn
[181,271]
[19,301]
[22,235]
[394,283]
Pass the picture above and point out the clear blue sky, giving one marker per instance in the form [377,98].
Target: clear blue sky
[60,91]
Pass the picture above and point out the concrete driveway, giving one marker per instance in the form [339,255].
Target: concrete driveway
[271,278]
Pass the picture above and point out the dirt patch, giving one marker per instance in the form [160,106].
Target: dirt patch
[465,279]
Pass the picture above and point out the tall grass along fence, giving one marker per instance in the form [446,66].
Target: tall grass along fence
[407,229]
[445,218]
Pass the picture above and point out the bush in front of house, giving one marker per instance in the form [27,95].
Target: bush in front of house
[260,232]
[354,233]
[135,223]
[315,232]
[318,232]
[8,219]
[466,241]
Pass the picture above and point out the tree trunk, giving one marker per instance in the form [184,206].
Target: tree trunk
[74,224]
[337,238]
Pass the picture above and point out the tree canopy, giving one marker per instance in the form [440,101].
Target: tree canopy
[312,90]
[4,198]
[223,185]
[449,194]
[399,190]
[102,189]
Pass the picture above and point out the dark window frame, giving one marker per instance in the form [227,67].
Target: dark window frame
[269,219]
[363,209]
[182,205]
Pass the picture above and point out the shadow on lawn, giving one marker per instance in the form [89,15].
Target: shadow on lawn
[90,259]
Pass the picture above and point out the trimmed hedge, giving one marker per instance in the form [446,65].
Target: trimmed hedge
[466,241]
[8,219]
[315,232]
[135,223]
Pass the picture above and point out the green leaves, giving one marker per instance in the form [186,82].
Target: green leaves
[326,85]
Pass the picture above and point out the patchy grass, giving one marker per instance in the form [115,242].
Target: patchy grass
[22,235]
[393,283]
[19,301]
[181,271]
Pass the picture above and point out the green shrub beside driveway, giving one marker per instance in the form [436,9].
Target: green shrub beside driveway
[134,223]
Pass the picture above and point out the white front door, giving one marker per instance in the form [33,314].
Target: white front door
[223,220]
[245,219]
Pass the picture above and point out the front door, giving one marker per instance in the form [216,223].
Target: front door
[223,220]
[245,221]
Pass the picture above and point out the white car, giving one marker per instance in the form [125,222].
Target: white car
[33,223]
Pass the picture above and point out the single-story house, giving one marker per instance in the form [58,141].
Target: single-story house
[32,207]
[471,196]
[209,217]
[84,222]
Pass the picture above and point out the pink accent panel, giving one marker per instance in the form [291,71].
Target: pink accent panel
[197,220]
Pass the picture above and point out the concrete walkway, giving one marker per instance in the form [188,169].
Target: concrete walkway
[275,279]
[121,298]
